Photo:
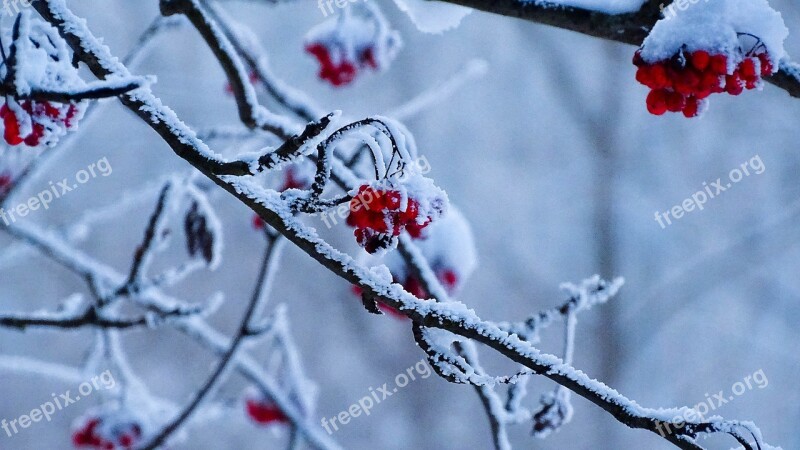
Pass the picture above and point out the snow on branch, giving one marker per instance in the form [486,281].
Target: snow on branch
[74,315]
[96,90]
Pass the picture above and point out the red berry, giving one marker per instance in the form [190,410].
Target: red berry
[416,230]
[5,182]
[320,52]
[291,181]
[719,64]
[691,108]
[449,279]
[391,200]
[36,135]
[337,74]
[367,58]
[733,84]
[343,74]
[709,80]
[675,101]
[637,58]
[126,440]
[766,65]
[748,68]
[258,223]
[686,81]
[659,75]
[657,102]
[644,77]
[265,412]
[371,240]
[71,113]
[700,60]
[414,287]
[51,111]
[702,93]
[11,132]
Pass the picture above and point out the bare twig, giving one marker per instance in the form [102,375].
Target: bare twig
[224,365]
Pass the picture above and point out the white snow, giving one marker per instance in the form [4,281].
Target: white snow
[433,17]
[713,26]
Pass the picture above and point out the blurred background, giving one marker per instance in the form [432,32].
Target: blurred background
[556,163]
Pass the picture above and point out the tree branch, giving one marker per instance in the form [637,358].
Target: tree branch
[216,378]
[95,91]
[88,318]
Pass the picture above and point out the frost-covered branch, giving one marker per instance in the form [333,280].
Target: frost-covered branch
[90,317]
[95,90]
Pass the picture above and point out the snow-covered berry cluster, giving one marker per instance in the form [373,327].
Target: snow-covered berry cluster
[357,40]
[42,62]
[449,247]
[116,430]
[380,211]
[683,82]
[264,411]
[724,46]
[34,123]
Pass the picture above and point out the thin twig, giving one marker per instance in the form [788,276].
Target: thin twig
[224,364]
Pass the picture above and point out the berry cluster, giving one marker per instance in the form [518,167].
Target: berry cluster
[344,71]
[40,119]
[348,45]
[94,434]
[379,216]
[682,83]
[264,411]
